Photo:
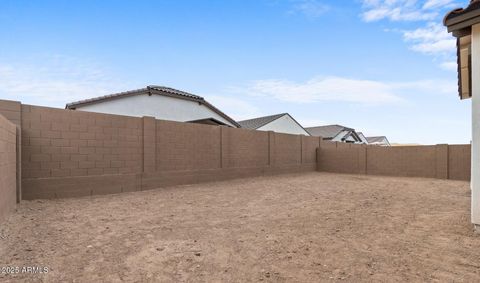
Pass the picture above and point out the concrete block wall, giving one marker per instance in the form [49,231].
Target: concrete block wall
[187,146]
[438,161]
[342,158]
[410,161]
[11,110]
[8,167]
[288,149]
[244,148]
[149,144]
[62,145]
[69,153]
[192,153]
[459,162]
[309,149]
[441,161]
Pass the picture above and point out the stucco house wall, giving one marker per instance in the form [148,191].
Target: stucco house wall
[286,125]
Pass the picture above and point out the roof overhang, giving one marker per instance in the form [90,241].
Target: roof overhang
[150,90]
[257,123]
[459,22]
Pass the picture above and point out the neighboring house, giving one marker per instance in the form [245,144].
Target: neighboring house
[163,103]
[335,133]
[362,138]
[382,141]
[280,123]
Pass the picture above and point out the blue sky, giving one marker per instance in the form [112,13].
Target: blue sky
[383,67]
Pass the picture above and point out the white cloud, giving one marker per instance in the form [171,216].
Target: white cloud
[433,39]
[435,47]
[404,10]
[337,89]
[449,66]
[398,10]
[55,80]
[324,89]
[310,8]
[397,14]
[432,32]
[426,87]
[433,4]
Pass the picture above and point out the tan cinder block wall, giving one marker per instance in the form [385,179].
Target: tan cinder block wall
[309,149]
[441,161]
[11,110]
[149,144]
[8,168]
[288,149]
[438,161]
[60,143]
[69,153]
[244,148]
[187,146]
[63,144]
[459,162]
[414,161]
[339,157]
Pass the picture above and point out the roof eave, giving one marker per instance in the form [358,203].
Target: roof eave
[223,115]
[305,130]
[460,21]
[75,105]
[152,91]
[266,122]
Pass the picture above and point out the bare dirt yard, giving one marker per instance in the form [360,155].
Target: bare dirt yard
[311,227]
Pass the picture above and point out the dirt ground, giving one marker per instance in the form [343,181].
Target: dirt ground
[311,227]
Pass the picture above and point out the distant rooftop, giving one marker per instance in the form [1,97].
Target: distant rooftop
[151,90]
[134,92]
[328,131]
[376,139]
[259,122]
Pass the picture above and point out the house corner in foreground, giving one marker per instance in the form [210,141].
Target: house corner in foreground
[464,24]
